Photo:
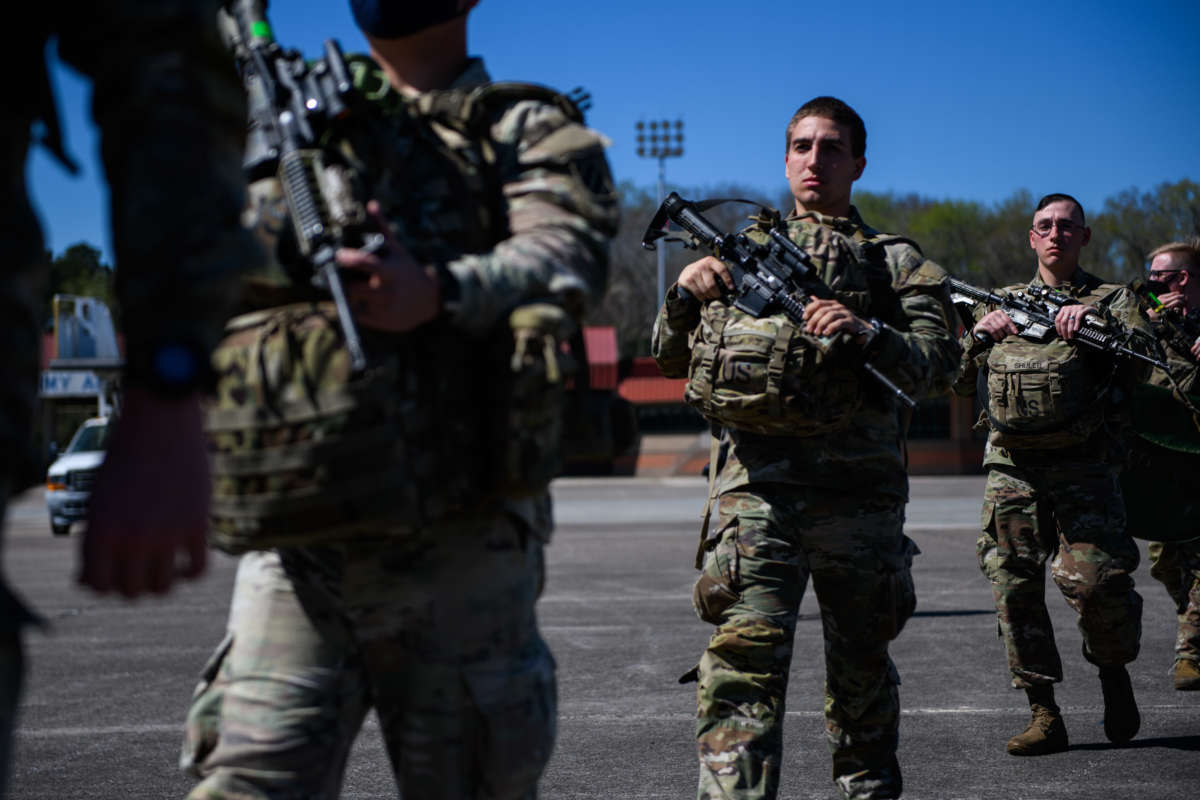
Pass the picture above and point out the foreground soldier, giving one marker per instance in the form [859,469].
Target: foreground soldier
[822,494]
[1052,492]
[171,115]
[1176,565]
[489,199]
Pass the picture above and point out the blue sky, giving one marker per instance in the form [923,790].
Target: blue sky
[960,100]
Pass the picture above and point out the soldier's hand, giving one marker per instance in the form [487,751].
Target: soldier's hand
[148,513]
[1069,319]
[1175,300]
[824,317]
[704,278]
[396,294]
[997,325]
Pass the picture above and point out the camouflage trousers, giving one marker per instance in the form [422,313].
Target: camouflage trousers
[1176,565]
[767,542]
[1072,515]
[437,634]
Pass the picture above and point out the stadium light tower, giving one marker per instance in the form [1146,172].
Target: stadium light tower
[661,140]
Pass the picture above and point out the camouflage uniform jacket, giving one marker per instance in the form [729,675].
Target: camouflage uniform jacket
[507,194]
[1117,304]
[516,208]
[916,349]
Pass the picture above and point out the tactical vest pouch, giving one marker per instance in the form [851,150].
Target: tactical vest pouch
[529,399]
[302,450]
[765,376]
[1042,396]
[305,452]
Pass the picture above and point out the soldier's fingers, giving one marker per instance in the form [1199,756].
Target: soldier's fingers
[722,272]
[375,211]
[362,261]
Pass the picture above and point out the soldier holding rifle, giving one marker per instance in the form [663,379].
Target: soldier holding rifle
[1055,413]
[393,514]
[1174,280]
[814,483]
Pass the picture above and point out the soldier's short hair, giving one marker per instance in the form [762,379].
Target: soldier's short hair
[1054,197]
[833,109]
[1190,249]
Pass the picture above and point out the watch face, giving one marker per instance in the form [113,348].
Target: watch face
[175,364]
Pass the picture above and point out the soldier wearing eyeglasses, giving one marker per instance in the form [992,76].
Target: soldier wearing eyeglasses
[1054,412]
[1175,281]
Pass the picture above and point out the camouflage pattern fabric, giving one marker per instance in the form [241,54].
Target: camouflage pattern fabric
[1071,514]
[916,349]
[784,512]
[172,120]
[509,194]
[305,451]
[765,374]
[1100,437]
[1176,565]
[434,628]
[767,542]
[437,634]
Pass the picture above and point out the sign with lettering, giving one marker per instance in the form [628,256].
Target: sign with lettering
[70,383]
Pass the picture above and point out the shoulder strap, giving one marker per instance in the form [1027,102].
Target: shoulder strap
[470,110]
[885,303]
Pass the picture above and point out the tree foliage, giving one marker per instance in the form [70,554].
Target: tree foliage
[77,270]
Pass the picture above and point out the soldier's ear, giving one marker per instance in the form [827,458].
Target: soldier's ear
[1087,235]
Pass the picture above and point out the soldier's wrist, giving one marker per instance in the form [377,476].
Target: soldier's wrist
[171,369]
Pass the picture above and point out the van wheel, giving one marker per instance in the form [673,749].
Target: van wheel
[60,530]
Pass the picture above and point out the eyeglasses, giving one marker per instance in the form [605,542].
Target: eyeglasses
[1163,274]
[1066,227]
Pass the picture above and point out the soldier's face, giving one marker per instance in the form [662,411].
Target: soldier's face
[819,165]
[1171,270]
[1058,234]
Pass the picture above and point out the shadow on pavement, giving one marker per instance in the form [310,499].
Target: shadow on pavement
[961,613]
[1189,743]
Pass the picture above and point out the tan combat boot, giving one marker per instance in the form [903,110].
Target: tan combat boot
[1187,675]
[1046,734]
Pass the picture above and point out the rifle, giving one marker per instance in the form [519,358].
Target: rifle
[1182,330]
[292,103]
[777,274]
[1033,310]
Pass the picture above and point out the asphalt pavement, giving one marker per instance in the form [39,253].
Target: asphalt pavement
[109,681]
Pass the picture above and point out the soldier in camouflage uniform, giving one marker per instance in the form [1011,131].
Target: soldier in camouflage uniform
[1176,565]
[1052,492]
[825,504]
[432,625]
[172,119]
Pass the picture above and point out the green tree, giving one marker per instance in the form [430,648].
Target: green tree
[1134,223]
[631,302]
[78,270]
